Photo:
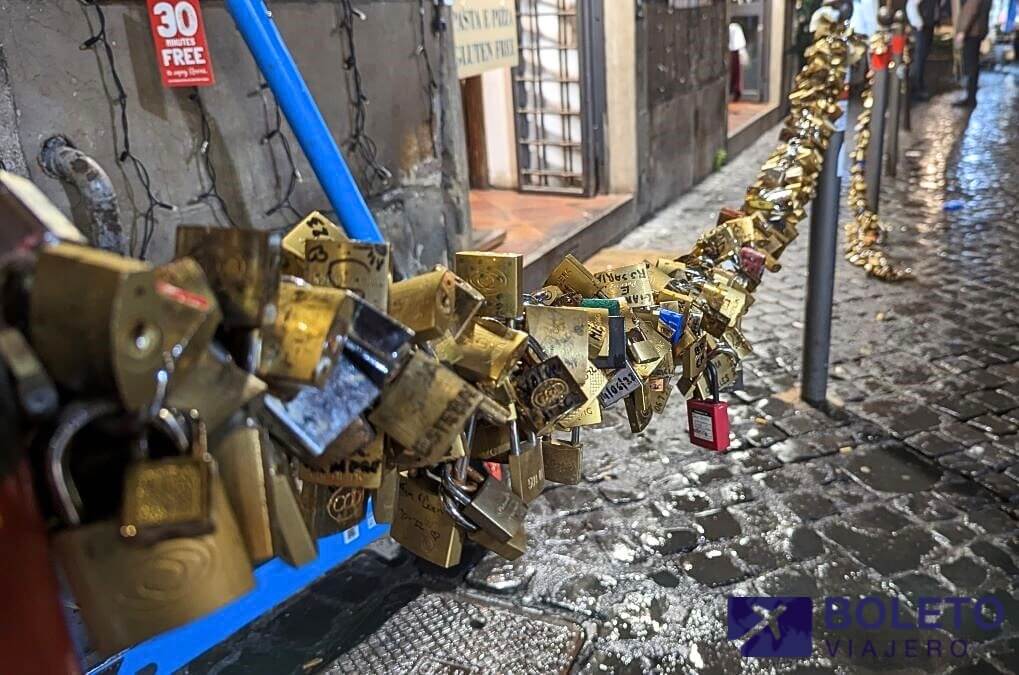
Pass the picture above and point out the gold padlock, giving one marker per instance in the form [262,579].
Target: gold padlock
[304,344]
[357,266]
[425,303]
[313,227]
[590,412]
[639,410]
[360,469]
[292,541]
[510,550]
[487,350]
[170,497]
[545,392]
[425,409]
[96,322]
[328,510]
[29,218]
[190,309]
[242,266]
[526,465]
[215,387]
[562,332]
[571,275]
[239,454]
[384,497]
[563,461]
[422,526]
[498,277]
[632,283]
[129,593]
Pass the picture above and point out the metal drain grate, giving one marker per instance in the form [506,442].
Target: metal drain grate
[440,634]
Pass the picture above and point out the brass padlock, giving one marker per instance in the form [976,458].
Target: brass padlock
[526,466]
[421,524]
[357,266]
[571,275]
[545,392]
[487,351]
[425,303]
[328,510]
[30,219]
[563,461]
[468,302]
[239,454]
[639,410]
[215,387]
[292,540]
[510,550]
[661,389]
[497,276]
[562,332]
[492,506]
[128,593]
[424,410]
[190,310]
[632,283]
[384,498]
[242,266]
[95,322]
[171,496]
[304,343]
[361,469]
[590,412]
[313,228]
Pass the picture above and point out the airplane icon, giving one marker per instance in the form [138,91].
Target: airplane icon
[769,619]
[771,626]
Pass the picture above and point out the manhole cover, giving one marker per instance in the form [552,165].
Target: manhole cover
[440,634]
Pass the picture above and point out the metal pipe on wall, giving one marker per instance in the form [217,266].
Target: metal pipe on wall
[60,159]
[255,24]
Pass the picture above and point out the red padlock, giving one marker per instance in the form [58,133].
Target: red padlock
[751,261]
[709,420]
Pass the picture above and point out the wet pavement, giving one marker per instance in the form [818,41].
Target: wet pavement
[910,488]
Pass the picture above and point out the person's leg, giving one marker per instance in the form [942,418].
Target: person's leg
[971,55]
[924,40]
[734,76]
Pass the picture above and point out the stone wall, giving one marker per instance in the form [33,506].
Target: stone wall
[49,85]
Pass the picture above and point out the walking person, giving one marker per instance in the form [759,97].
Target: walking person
[927,14]
[969,33]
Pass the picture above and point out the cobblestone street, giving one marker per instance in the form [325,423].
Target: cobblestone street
[909,489]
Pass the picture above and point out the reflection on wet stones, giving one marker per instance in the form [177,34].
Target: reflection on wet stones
[892,469]
[713,568]
[678,540]
[719,524]
[570,499]
[500,576]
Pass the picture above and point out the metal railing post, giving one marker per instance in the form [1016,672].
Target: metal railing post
[824,219]
[896,70]
[875,148]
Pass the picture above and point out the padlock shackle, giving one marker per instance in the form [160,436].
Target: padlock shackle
[514,439]
[453,512]
[711,373]
[449,487]
[75,417]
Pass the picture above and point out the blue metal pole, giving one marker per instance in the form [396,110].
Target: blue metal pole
[256,26]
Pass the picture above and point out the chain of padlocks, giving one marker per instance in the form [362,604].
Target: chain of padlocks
[193,418]
[865,232]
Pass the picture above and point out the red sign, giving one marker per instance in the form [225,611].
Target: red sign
[181,48]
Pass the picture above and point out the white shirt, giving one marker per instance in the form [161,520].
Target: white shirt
[737,39]
[913,14]
[864,19]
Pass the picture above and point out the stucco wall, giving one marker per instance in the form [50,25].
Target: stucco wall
[49,85]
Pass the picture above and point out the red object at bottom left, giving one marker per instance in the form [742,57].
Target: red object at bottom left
[33,634]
